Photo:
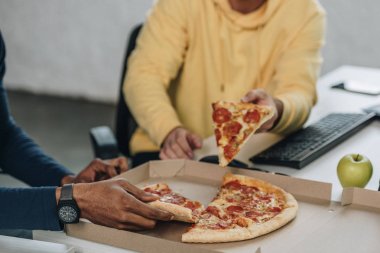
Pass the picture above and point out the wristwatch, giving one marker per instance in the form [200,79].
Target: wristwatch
[68,210]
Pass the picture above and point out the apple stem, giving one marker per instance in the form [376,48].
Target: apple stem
[357,157]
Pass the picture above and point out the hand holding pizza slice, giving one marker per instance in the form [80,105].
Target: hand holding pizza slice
[234,123]
[182,208]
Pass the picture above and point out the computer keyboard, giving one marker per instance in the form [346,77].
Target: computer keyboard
[306,145]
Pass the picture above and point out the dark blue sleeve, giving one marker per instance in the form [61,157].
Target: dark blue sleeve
[19,155]
[29,208]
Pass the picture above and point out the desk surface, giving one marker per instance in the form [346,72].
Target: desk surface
[322,169]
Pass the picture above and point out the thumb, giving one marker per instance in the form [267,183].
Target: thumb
[195,141]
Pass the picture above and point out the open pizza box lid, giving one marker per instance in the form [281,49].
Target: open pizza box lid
[320,226]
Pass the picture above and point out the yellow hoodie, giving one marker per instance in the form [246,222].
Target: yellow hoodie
[191,53]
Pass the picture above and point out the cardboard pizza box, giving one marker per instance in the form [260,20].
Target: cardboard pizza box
[320,226]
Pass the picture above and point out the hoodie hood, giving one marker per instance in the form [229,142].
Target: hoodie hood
[251,20]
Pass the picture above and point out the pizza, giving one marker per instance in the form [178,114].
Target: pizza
[243,209]
[234,123]
[182,208]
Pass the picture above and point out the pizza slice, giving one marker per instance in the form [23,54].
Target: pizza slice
[234,123]
[244,208]
[182,208]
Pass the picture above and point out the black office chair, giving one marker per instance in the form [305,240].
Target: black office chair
[104,144]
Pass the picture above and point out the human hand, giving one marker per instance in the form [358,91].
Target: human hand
[180,143]
[98,170]
[260,97]
[117,203]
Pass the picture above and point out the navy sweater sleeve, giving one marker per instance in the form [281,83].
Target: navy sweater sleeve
[31,208]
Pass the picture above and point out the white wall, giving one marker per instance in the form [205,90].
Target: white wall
[68,47]
[75,47]
[353,33]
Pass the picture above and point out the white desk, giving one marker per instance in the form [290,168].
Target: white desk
[365,142]
[19,245]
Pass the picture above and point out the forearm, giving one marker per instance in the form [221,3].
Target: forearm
[280,109]
[296,108]
[23,159]
[29,208]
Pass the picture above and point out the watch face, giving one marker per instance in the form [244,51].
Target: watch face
[67,214]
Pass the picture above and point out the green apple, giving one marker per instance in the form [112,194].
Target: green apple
[354,170]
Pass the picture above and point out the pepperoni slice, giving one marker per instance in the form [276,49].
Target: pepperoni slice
[248,189]
[233,185]
[252,117]
[218,135]
[230,151]
[213,210]
[192,205]
[232,128]
[236,209]
[223,224]
[252,214]
[229,199]
[221,115]
[274,209]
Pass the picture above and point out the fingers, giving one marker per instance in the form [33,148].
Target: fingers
[255,96]
[195,141]
[121,163]
[138,207]
[176,149]
[137,192]
[150,212]
[111,171]
[180,143]
[136,222]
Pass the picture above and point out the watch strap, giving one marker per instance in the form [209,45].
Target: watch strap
[66,192]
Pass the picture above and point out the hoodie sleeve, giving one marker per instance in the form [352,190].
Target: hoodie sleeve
[297,73]
[29,208]
[154,63]
[19,155]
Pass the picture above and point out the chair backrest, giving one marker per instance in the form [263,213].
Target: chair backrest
[126,125]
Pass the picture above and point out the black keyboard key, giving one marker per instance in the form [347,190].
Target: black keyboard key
[306,145]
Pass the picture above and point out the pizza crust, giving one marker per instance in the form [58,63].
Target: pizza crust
[198,235]
[180,213]
[205,235]
[286,215]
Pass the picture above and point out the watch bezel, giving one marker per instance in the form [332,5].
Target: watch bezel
[72,204]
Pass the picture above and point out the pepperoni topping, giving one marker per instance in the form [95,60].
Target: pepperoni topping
[233,185]
[218,135]
[249,189]
[223,224]
[213,210]
[192,205]
[237,209]
[232,128]
[252,117]
[229,199]
[221,115]
[252,214]
[230,151]
[274,209]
